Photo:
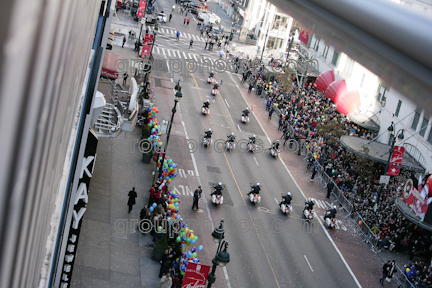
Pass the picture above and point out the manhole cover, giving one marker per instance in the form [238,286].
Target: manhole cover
[212,169]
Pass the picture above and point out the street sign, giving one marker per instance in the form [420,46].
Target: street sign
[196,275]
[384,179]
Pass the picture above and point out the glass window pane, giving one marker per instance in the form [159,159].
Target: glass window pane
[423,126]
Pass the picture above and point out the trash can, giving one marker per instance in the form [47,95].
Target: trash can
[147,157]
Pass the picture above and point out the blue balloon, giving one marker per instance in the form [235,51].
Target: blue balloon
[193,241]
[189,254]
[200,248]
[178,216]
[151,209]
[154,205]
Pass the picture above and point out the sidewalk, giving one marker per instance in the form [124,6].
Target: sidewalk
[365,263]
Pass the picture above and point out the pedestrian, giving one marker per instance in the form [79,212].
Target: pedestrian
[330,186]
[221,82]
[190,44]
[125,76]
[131,201]
[197,195]
[201,31]
[250,88]
[386,270]
[124,41]
[186,12]
[188,20]
[170,16]
[166,281]
[206,45]
[173,7]
[166,260]
[314,171]
[184,21]
[268,104]
[280,123]
[270,113]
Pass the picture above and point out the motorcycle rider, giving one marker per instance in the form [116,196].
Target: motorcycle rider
[309,205]
[252,139]
[331,213]
[216,86]
[208,134]
[206,104]
[230,138]
[255,189]
[275,145]
[286,199]
[218,189]
[245,112]
[211,75]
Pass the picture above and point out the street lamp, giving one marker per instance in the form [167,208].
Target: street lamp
[265,40]
[222,256]
[155,31]
[178,96]
[290,44]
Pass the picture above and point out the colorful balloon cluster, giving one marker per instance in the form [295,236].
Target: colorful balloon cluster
[155,129]
[187,237]
[173,204]
[169,169]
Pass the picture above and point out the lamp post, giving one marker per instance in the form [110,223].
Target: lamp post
[222,256]
[178,96]
[265,40]
[400,137]
[155,31]
[290,44]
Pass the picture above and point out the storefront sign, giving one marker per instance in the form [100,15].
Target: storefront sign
[78,201]
[141,9]
[195,276]
[242,13]
[145,51]
[396,161]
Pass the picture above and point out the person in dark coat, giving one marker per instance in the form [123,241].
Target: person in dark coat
[330,186]
[270,113]
[124,41]
[314,171]
[131,201]
[386,270]
[197,195]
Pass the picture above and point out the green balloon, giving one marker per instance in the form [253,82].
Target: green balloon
[160,144]
[194,254]
[188,240]
[159,228]
[196,238]
[178,239]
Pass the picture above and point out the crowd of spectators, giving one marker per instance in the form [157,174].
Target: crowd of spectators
[307,112]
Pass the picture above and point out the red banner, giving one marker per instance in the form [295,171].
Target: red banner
[195,276]
[419,199]
[304,36]
[141,9]
[145,50]
[396,161]
[148,39]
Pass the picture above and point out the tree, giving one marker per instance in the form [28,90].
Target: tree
[363,166]
[331,131]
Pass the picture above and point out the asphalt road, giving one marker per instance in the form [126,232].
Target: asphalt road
[267,248]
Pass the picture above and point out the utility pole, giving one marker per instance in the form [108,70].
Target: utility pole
[265,40]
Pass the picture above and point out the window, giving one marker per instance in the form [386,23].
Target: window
[325,52]
[316,45]
[349,64]
[335,60]
[276,22]
[424,126]
[362,80]
[430,137]
[398,108]
[382,94]
[416,119]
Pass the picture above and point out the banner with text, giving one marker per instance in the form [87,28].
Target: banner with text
[396,161]
[195,276]
[304,36]
[141,9]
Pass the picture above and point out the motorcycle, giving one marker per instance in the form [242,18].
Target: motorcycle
[274,152]
[245,119]
[330,222]
[309,214]
[210,80]
[251,147]
[217,199]
[205,111]
[214,92]
[254,198]
[230,146]
[207,141]
[286,209]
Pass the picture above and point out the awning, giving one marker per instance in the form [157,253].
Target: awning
[324,80]
[364,121]
[336,89]
[377,152]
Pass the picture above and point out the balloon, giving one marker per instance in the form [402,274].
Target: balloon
[178,217]
[196,238]
[200,247]
[360,223]
[159,228]
[175,216]
[193,241]
[151,209]
[189,254]
[193,249]
[178,239]
[194,254]
[188,240]
[154,205]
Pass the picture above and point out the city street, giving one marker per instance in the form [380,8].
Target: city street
[267,248]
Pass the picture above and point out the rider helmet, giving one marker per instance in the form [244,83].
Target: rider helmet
[258,184]
[220,183]
[289,194]
[247,108]
[232,134]
[207,101]
[209,129]
[313,200]
[277,140]
[334,206]
[254,136]
[216,82]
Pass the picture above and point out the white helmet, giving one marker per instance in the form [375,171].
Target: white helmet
[258,184]
[254,136]
[207,101]
[216,82]
[313,200]
[220,183]
[209,129]
[289,194]
[334,206]
[247,108]
[232,134]
[277,140]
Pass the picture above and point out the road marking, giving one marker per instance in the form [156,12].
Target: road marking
[256,161]
[304,196]
[308,263]
[226,103]
[276,201]
[239,127]
[168,51]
